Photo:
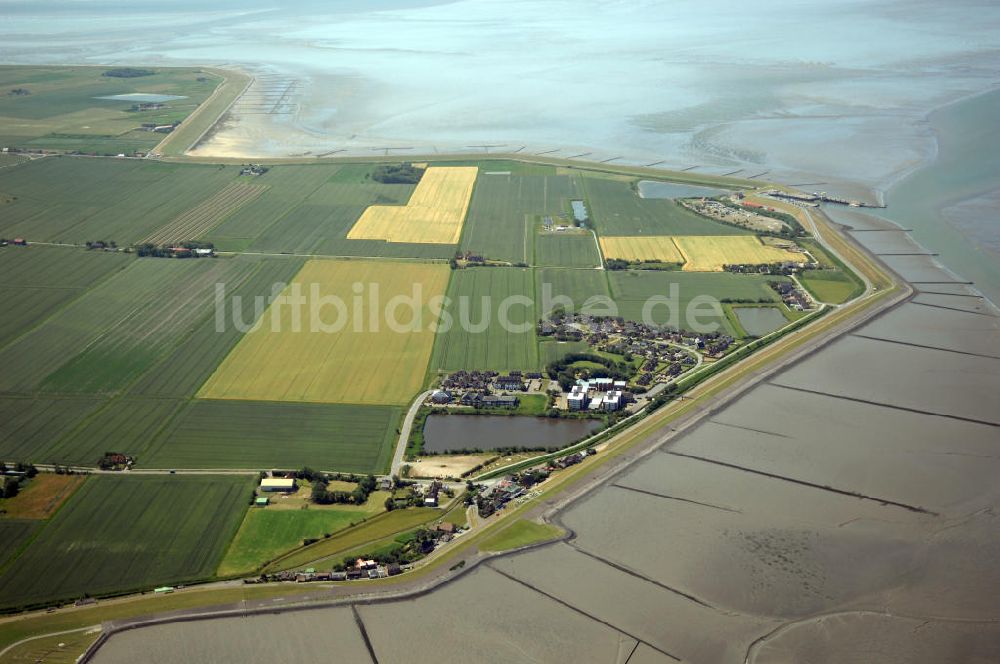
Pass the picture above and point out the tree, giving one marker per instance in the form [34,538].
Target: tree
[11,487]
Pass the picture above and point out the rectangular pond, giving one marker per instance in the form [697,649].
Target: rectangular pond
[652,189]
[758,321]
[446,433]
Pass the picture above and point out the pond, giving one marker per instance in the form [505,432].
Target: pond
[143,97]
[651,189]
[758,321]
[444,433]
[579,210]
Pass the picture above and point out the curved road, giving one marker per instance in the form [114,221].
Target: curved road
[404,432]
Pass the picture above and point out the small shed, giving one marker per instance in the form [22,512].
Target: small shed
[262,501]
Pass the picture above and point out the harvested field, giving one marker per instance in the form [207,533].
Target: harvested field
[359,362]
[434,214]
[637,248]
[207,215]
[42,496]
[122,533]
[709,254]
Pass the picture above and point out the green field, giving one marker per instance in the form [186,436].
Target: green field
[834,286]
[118,329]
[566,250]
[126,533]
[369,533]
[267,533]
[250,434]
[75,199]
[14,534]
[633,289]
[500,224]
[31,427]
[521,533]
[61,111]
[572,290]
[38,281]
[464,346]
[616,209]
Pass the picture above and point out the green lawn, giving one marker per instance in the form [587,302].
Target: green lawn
[126,533]
[62,112]
[370,533]
[267,533]
[834,286]
[518,534]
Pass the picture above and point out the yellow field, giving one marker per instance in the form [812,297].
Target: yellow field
[641,248]
[434,215]
[364,362]
[708,253]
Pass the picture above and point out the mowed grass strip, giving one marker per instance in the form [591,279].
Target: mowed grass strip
[361,362]
[434,214]
[245,435]
[709,254]
[208,214]
[127,533]
[641,248]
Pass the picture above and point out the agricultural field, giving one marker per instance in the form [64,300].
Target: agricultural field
[38,281]
[14,534]
[616,209]
[127,425]
[359,363]
[242,434]
[59,108]
[41,496]
[567,249]
[639,248]
[183,371]
[710,254]
[434,214]
[120,533]
[267,533]
[208,214]
[31,427]
[501,220]
[75,199]
[633,289]
[573,290]
[477,340]
[106,338]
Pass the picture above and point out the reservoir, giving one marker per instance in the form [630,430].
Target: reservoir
[444,433]
[758,321]
[651,189]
